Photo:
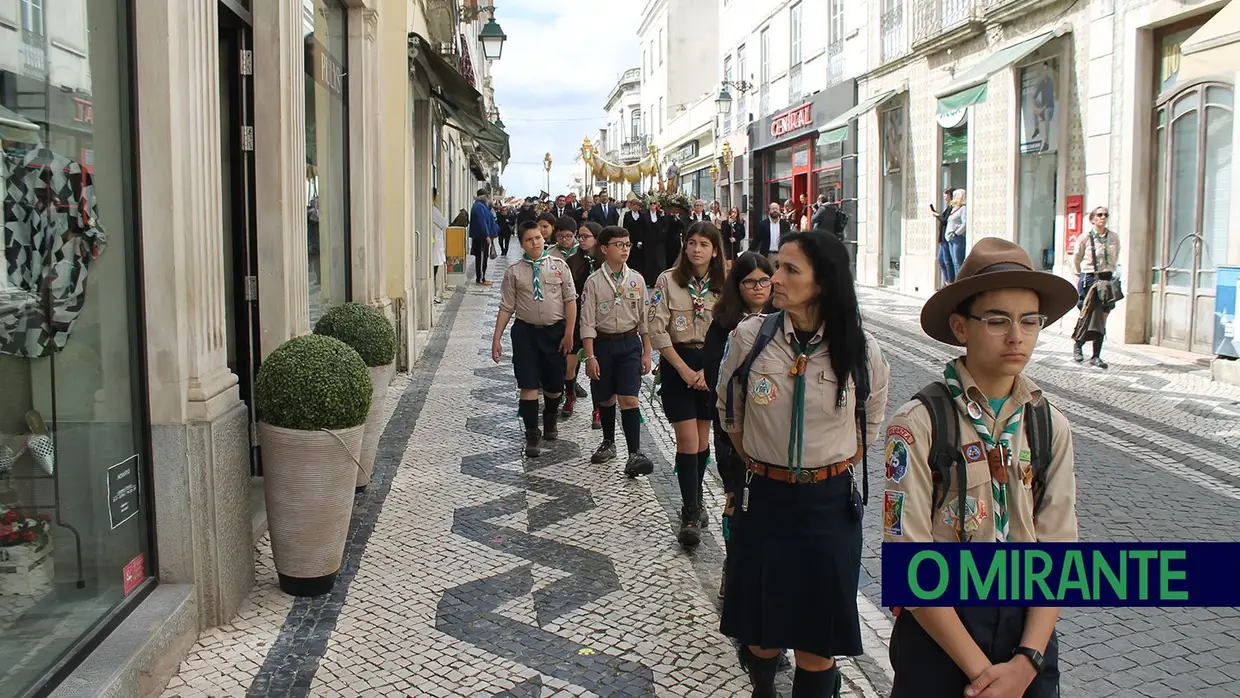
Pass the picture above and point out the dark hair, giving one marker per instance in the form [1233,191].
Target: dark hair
[683,271]
[731,307]
[594,228]
[610,233]
[837,303]
[526,225]
[948,191]
[549,217]
[566,223]
[482,192]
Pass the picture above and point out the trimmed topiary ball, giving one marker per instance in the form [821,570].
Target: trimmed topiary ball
[362,327]
[313,382]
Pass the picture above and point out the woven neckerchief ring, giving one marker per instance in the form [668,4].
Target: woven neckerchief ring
[536,265]
[796,436]
[998,454]
[616,279]
[697,290]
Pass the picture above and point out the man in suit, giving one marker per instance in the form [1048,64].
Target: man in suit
[765,239]
[604,212]
[637,222]
[561,208]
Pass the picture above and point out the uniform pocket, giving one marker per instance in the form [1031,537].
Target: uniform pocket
[828,395]
[978,502]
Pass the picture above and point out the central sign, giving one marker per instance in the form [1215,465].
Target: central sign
[794,119]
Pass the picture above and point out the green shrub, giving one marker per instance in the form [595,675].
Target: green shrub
[313,382]
[362,327]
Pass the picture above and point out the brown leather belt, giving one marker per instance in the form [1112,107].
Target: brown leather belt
[617,337]
[806,476]
[689,345]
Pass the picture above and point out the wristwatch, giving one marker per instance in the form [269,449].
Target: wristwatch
[1034,657]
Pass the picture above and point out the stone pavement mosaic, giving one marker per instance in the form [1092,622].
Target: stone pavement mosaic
[473,572]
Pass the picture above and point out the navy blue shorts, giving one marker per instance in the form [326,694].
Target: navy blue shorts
[536,357]
[680,402]
[619,367]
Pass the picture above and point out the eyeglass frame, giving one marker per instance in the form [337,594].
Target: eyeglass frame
[754,284]
[1006,323]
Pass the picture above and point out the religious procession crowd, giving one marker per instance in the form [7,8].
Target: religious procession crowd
[762,354]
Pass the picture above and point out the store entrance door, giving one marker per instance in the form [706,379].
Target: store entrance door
[801,168]
[237,191]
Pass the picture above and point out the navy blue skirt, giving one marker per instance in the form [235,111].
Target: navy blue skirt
[793,563]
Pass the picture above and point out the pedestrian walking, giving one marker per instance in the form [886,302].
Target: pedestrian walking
[614,330]
[982,457]
[681,310]
[539,291]
[482,232]
[947,267]
[955,235]
[746,292]
[801,392]
[505,219]
[1097,255]
[439,236]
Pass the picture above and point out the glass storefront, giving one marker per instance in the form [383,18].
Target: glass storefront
[698,185]
[74,535]
[893,152]
[1039,161]
[327,171]
[828,169]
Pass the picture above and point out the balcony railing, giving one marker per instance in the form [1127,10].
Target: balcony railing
[764,100]
[34,55]
[635,149]
[835,62]
[794,84]
[934,17]
[892,28]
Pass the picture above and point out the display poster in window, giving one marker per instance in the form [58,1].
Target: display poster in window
[893,141]
[123,491]
[1039,118]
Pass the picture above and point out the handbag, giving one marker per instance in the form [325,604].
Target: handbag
[1112,281]
[494,254]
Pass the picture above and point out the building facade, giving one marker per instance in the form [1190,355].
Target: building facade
[623,139]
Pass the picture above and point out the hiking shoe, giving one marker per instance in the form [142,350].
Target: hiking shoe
[1097,362]
[580,391]
[690,531]
[605,452]
[550,430]
[1077,355]
[533,443]
[638,464]
[598,420]
[570,401]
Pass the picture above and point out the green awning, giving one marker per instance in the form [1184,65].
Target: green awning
[969,87]
[837,130]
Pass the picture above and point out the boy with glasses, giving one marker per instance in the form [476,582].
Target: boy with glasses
[982,457]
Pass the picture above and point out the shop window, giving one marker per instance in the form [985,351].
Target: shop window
[74,477]
[828,169]
[893,154]
[327,189]
[1040,125]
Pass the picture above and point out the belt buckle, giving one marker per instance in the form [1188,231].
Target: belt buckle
[803,477]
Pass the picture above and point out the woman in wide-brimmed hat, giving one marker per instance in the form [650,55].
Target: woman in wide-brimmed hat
[1010,478]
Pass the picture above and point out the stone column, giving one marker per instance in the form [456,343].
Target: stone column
[364,194]
[199,425]
[392,160]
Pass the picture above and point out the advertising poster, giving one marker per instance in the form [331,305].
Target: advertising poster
[1039,115]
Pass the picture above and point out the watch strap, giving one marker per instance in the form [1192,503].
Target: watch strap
[1034,657]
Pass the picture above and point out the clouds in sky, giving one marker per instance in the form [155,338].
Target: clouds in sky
[559,64]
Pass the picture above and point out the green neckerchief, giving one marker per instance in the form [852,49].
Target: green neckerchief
[999,461]
[796,437]
[536,265]
[616,279]
[697,290]
[569,252]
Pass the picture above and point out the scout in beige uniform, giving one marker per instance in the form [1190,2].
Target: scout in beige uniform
[617,346]
[681,310]
[800,392]
[1008,477]
[539,290]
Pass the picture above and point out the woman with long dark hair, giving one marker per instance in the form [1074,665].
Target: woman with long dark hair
[733,231]
[746,292]
[681,309]
[795,421]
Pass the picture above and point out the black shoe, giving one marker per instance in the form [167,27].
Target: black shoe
[580,391]
[598,420]
[1077,355]
[703,516]
[1097,362]
[638,464]
[550,429]
[690,530]
[533,443]
[605,452]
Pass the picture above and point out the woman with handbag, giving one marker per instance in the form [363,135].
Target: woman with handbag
[1097,284]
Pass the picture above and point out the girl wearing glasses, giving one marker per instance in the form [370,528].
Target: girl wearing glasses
[681,310]
[1095,260]
[746,292]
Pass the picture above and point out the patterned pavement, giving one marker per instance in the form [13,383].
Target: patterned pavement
[471,572]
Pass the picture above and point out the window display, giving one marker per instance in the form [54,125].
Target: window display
[73,529]
[893,129]
[1039,161]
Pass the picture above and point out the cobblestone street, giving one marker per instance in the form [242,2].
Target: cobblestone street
[472,572]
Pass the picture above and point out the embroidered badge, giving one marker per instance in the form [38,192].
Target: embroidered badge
[973,453]
[656,297]
[974,410]
[1026,475]
[895,431]
[554,267]
[893,513]
[975,513]
[604,307]
[764,391]
[897,460]
[1025,456]
[633,283]
[682,322]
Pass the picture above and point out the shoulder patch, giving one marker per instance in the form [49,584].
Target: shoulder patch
[895,431]
[897,460]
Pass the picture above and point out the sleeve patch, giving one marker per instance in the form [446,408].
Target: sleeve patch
[893,513]
[895,431]
[897,460]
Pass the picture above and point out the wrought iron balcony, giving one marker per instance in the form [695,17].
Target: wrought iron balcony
[942,23]
[34,55]
[794,84]
[892,27]
[835,62]
[635,149]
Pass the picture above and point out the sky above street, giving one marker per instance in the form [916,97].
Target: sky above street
[560,62]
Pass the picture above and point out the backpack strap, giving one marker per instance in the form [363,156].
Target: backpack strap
[861,384]
[945,453]
[770,325]
[1038,433]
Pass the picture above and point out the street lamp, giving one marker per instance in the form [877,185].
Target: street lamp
[723,103]
[492,39]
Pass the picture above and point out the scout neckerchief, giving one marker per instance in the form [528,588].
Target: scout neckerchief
[569,252]
[616,279]
[697,290]
[536,265]
[998,454]
[796,437]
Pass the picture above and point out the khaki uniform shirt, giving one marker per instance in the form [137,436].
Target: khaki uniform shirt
[554,251]
[907,513]
[516,293]
[671,318]
[765,414]
[604,310]
[1107,248]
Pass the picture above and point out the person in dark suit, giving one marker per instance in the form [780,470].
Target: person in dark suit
[765,238]
[561,207]
[527,212]
[604,212]
[733,231]
[655,244]
[637,222]
[674,226]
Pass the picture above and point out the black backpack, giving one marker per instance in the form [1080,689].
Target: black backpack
[946,457]
[770,326]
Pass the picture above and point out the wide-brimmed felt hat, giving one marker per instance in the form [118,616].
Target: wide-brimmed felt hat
[995,263]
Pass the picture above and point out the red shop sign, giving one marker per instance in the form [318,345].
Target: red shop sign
[793,120]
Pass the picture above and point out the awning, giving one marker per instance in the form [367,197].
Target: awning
[837,130]
[15,127]
[1214,49]
[970,86]
[492,138]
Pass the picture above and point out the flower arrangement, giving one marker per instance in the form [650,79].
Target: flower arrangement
[18,529]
